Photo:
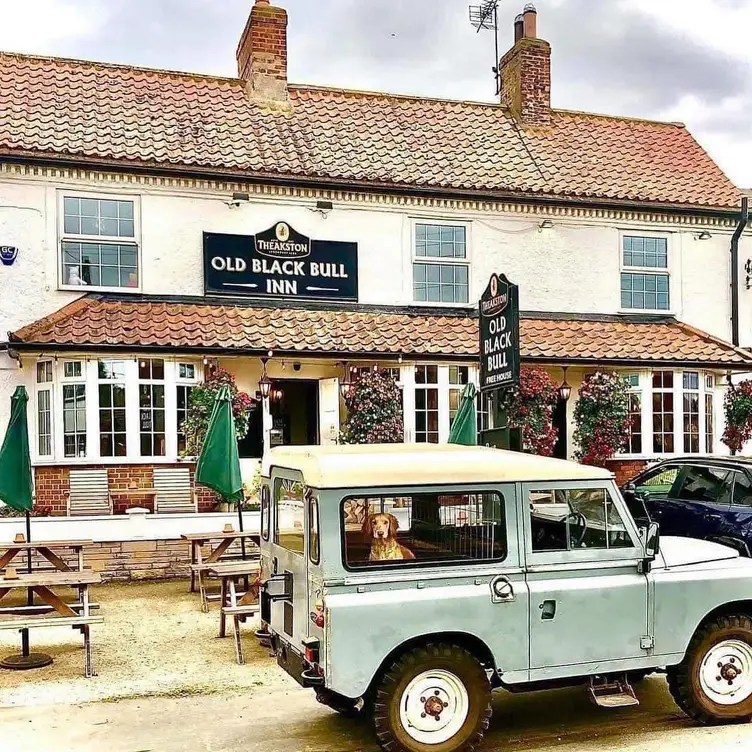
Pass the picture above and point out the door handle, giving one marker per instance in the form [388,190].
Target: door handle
[548,610]
[713,517]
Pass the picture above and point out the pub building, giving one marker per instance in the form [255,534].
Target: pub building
[156,225]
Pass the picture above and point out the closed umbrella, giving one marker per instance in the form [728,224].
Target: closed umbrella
[464,428]
[218,465]
[17,491]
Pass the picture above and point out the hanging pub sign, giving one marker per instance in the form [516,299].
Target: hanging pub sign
[499,311]
[280,263]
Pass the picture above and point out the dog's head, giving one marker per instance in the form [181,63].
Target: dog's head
[380,526]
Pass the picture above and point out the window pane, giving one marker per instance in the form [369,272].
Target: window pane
[289,520]
[424,528]
[574,519]
[707,484]
[645,252]
[645,291]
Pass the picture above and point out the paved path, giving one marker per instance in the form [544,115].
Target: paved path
[289,720]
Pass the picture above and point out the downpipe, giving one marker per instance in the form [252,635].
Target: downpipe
[735,238]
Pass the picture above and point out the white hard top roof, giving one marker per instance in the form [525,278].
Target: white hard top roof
[375,465]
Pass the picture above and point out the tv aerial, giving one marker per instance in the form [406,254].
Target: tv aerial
[485,17]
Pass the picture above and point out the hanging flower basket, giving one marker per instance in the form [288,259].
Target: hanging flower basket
[202,404]
[737,406]
[530,408]
[374,411]
[601,417]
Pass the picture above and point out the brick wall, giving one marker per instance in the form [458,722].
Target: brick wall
[53,487]
[526,81]
[625,470]
[262,52]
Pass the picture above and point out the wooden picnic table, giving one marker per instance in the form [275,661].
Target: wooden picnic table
[54,612]
[201,564]
[233,604]
[46,549]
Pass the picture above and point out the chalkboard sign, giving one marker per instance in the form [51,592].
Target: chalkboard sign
[499,311]
[280,263]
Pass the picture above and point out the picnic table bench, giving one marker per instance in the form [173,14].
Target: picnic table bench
[238,606]
[201,565]
[54,612]
[46,549]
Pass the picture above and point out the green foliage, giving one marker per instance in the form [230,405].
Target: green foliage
[530,407]
[374,411]
[737,405]
[202,403]
[601,417]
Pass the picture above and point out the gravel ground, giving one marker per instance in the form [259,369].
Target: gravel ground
[154,642]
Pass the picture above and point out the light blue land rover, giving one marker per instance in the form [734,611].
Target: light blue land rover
[409,582]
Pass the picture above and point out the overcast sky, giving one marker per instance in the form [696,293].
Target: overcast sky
[679,60]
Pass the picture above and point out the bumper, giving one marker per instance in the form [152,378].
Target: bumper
[295,665]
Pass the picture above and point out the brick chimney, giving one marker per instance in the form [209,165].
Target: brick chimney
[526,73]
[262,53]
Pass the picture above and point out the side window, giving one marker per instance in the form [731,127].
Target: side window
[574,519]
[424,528]
[659,483]
[710,485]
[314,545]
[742,490]
[289,515]
[265,510]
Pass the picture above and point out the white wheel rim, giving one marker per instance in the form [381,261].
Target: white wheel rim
[434,707]
[726,672]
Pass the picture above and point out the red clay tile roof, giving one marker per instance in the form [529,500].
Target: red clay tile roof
[102,322]
[67,109]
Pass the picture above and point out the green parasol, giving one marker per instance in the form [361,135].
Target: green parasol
[464,429]
[16,487]
[17,491]
[218,465]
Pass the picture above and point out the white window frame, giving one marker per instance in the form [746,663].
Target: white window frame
[49,387]
[104,239]
[645,389]
[669,271]
[466,262]
[152,382]
[90,379]
[410,387]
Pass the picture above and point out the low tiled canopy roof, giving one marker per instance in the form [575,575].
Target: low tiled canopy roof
[73,110]
[207,325]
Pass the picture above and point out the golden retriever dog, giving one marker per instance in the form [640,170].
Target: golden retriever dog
[381,531]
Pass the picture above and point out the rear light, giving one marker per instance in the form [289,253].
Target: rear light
[311,651]
[317,615]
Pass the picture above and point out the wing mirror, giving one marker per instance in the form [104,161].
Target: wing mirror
[651,541]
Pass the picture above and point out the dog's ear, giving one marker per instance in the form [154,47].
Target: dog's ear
[393,524]
[368,527]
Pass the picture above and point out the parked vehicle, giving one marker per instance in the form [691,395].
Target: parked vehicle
[408,582]
[708,498]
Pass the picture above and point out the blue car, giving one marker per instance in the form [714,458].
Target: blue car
[709,498]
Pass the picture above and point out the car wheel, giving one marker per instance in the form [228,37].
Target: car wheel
[435,698]
[713,684]
[339,703]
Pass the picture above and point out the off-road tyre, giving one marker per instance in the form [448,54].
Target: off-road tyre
[343,705]
[684,680]
[410,666]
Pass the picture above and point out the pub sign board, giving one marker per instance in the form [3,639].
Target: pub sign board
[499,311]
[280,263]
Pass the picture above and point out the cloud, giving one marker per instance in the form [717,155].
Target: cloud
[674,59]
[39,25]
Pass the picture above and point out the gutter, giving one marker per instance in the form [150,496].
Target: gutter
[744,219]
